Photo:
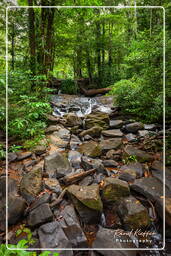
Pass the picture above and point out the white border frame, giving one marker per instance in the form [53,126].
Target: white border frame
[164,46]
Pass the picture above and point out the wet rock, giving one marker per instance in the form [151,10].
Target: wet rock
[74,142]
[110,163]
[12,157]
[57,165]
[86,181]
[89,163]
[133,214]
[97,119]
[53,185]
[108,238]
[134,169]
[23,155]
[87,195]
[71,227]
[112,133]
[95,131]
[114,189]
[131,137]
[31,184]
[74,158]
[114,154]
[150,127]
[91,149]
[110,144]
[73,120]
[116,124]
[16,208]
[140,155]
[134,127]
[40,215]
[143,133]
[51,235]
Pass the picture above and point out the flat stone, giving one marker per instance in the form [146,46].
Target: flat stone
[126,177]
[108,238]
[58,142]
[114,189]
[94,131]
[133,214]
[116,124]
[134,169]
[51,235]
[57,165]
[52,128]
[91,149]
[131,137]
[110,163]
[40,215]
[97,119]
[31,184]
[53,185]
[140,155]
[112,133]
[62,133]
[89,163]
[74,158]
[134,127]
[110,144]
[71,227]
[88,195]
[23,155]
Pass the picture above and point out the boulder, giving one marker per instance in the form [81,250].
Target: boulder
[73,120]
[70,224]
[57,165]
[110,163]
[110,144]
[91,149]
[108,238]
[134,127]
[97,119]
[134,169]
[140,155]
[31,184]
[74,158]
[94,131]
[87,195]
[131,137]
[53,185]
[88,163]
[112,133]
[116,124]
[133,214]
[114,189]
[40,215]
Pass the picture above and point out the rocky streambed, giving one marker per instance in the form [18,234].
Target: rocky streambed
[97,176]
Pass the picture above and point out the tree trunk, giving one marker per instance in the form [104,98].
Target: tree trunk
[98,50]
[32,38]
[13,47]
[89,66]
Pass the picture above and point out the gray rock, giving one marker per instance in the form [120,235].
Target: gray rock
[112,133]
[114,154]
[97,119]
[89,163]
[40,215]
[110,163]
[126,177]
[45,198]
[23,155]
[74,142]
[12,157]
[94,131]
[134,127]
[110,144]
[143,133]
[52,128]
[116,124]
[86,181]
[16,208]
[131,137]
[140,155]
[31,184]
[114,189]
[62,133]
[134,169]
[12,187]
[74,158]
[108,238]
[133,214]
[71,227]
[150,127]
[73,120]
[57,165]
[53,185]
[51,235]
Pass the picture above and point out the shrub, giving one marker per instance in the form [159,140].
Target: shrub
[68,86]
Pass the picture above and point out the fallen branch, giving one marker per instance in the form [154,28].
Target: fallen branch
[93,92]
[67,180]
[59,199]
